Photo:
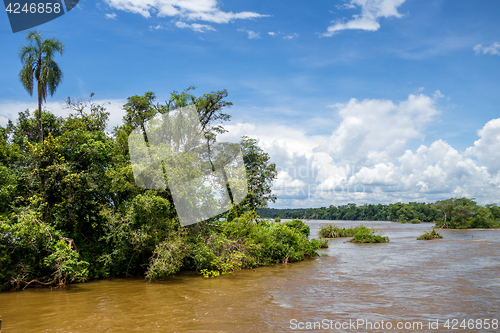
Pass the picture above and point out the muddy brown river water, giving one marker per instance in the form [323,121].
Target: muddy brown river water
[396,287]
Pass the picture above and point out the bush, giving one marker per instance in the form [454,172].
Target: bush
[428,235]
[299,225]
[368,237]
[415,221]
[332,231]
[323,243]
[33,253]
[247,242]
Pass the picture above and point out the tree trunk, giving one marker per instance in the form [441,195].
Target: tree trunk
[40,129]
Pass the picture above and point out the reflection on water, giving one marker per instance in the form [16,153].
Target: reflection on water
[402,281]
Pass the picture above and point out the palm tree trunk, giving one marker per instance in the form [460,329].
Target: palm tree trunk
[40,134]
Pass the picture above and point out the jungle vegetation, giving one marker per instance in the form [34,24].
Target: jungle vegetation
[70,210]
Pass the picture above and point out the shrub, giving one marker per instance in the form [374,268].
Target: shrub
[332,231]
[428,235]
[415,221]
[368,237]
[322,243]
[300,225]
[247,242]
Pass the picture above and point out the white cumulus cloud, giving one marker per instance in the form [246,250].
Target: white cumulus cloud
[376,131]
[366,159]
[487,148]
[371,12]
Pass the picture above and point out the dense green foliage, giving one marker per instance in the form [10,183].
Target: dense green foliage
[70,209]
[332,231]
[368,237]
[428,235]
[452,213]
[461,213]
[359,234]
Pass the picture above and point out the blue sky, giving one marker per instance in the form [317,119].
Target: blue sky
[397,99]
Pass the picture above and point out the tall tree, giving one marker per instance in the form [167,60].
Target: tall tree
[260,174]
[38,63]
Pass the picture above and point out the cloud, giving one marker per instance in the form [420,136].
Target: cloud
[365,159]
[291,36]
[371,12]
[194,26]
[158,27]
[487,148]
[376,131]
[111,16]
[493,49]
[190,10]
[345,6]
[251,34]
[437,94]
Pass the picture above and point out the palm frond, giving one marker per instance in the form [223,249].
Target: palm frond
[35,37]
[26,77]
[51,75]
[50,46]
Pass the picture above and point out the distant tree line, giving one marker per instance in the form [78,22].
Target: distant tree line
[450,213]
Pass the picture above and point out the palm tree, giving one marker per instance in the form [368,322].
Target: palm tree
[38,63]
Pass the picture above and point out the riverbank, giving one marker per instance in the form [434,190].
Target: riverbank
[211,250]
[402,281]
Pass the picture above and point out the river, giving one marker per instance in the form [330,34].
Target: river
[404,283]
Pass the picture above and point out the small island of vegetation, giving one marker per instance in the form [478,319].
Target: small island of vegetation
[359,234]
[428,235]
[368,237]
[332,231]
